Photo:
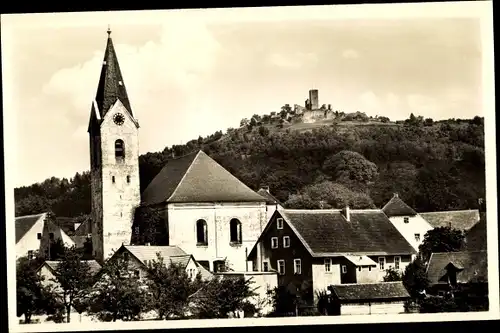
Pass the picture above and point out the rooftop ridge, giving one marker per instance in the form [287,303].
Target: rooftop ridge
[368,283]
[451,211]
[334,210]
[32,215]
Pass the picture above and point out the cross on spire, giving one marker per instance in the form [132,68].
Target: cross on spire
[109,31]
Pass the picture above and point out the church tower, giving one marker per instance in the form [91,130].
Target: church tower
[114,160]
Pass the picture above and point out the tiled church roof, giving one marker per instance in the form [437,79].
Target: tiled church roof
[397,207]
[197,178]
[327,232]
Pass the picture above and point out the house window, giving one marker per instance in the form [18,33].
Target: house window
[279,223]
[113,179]
[119,149]
[51,236]
[297,269]
[39,235]
[274,242]
[381,263]
[30,254]
[370,268]
[359,268]
[201,232]
[286,241]
[328,264]
[128,178]
[266,267]
[406,219]
[281,267]
[344,269]
[397,261]
[417,237]
[235,230]
[137,273]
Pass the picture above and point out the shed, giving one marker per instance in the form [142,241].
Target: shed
[368,298]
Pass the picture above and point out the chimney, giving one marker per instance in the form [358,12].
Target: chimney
[396,195]
[346,213]
[265,188]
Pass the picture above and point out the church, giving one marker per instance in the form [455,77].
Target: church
[205,210]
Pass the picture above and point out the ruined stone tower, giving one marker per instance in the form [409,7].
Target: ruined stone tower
[313,99]
[114,160]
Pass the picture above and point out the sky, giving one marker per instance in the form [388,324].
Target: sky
[193,74]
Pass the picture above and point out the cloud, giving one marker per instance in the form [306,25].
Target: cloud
[350,54]
[164,78]
[292,60]
[422,105]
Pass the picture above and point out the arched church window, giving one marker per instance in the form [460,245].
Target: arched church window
[119,149]
[235,230]
[201,232]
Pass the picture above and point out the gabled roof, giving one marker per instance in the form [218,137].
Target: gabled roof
[476,237]
[25,223]
[458,219]
[53,264]
[172,254]
[270,199]
[111,85]
[326,232]
[370,291]
[471,265]
[196,178]
[397,207]
[146,252]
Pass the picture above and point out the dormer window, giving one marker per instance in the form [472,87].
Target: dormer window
[406,219]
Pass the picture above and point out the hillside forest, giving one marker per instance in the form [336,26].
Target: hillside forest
[432,165]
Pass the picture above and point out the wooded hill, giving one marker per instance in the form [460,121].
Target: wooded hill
[434,166]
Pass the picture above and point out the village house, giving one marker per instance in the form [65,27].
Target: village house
[455,271]
[313,249]
[207,211]
[476,237]
[36,233]
[367,298]
[139,257]
[409,223]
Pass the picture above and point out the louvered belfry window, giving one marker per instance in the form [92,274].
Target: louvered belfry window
[119,149]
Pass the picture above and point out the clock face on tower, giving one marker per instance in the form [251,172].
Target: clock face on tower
[119,119]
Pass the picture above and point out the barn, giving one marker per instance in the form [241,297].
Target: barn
[368,298]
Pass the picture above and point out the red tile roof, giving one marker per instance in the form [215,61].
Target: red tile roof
[197,178]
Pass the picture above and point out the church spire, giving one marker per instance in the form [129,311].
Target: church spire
[111,86]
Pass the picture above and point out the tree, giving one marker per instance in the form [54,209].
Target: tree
[74,277]
[334,195]
[149,226]
[57,249]
[347,166]
[415,278]
[428,122]
[118,294]
[392,274]
[263,131]
[222,296]
[284,302]
[31,296]
[170,286]
[441,239]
